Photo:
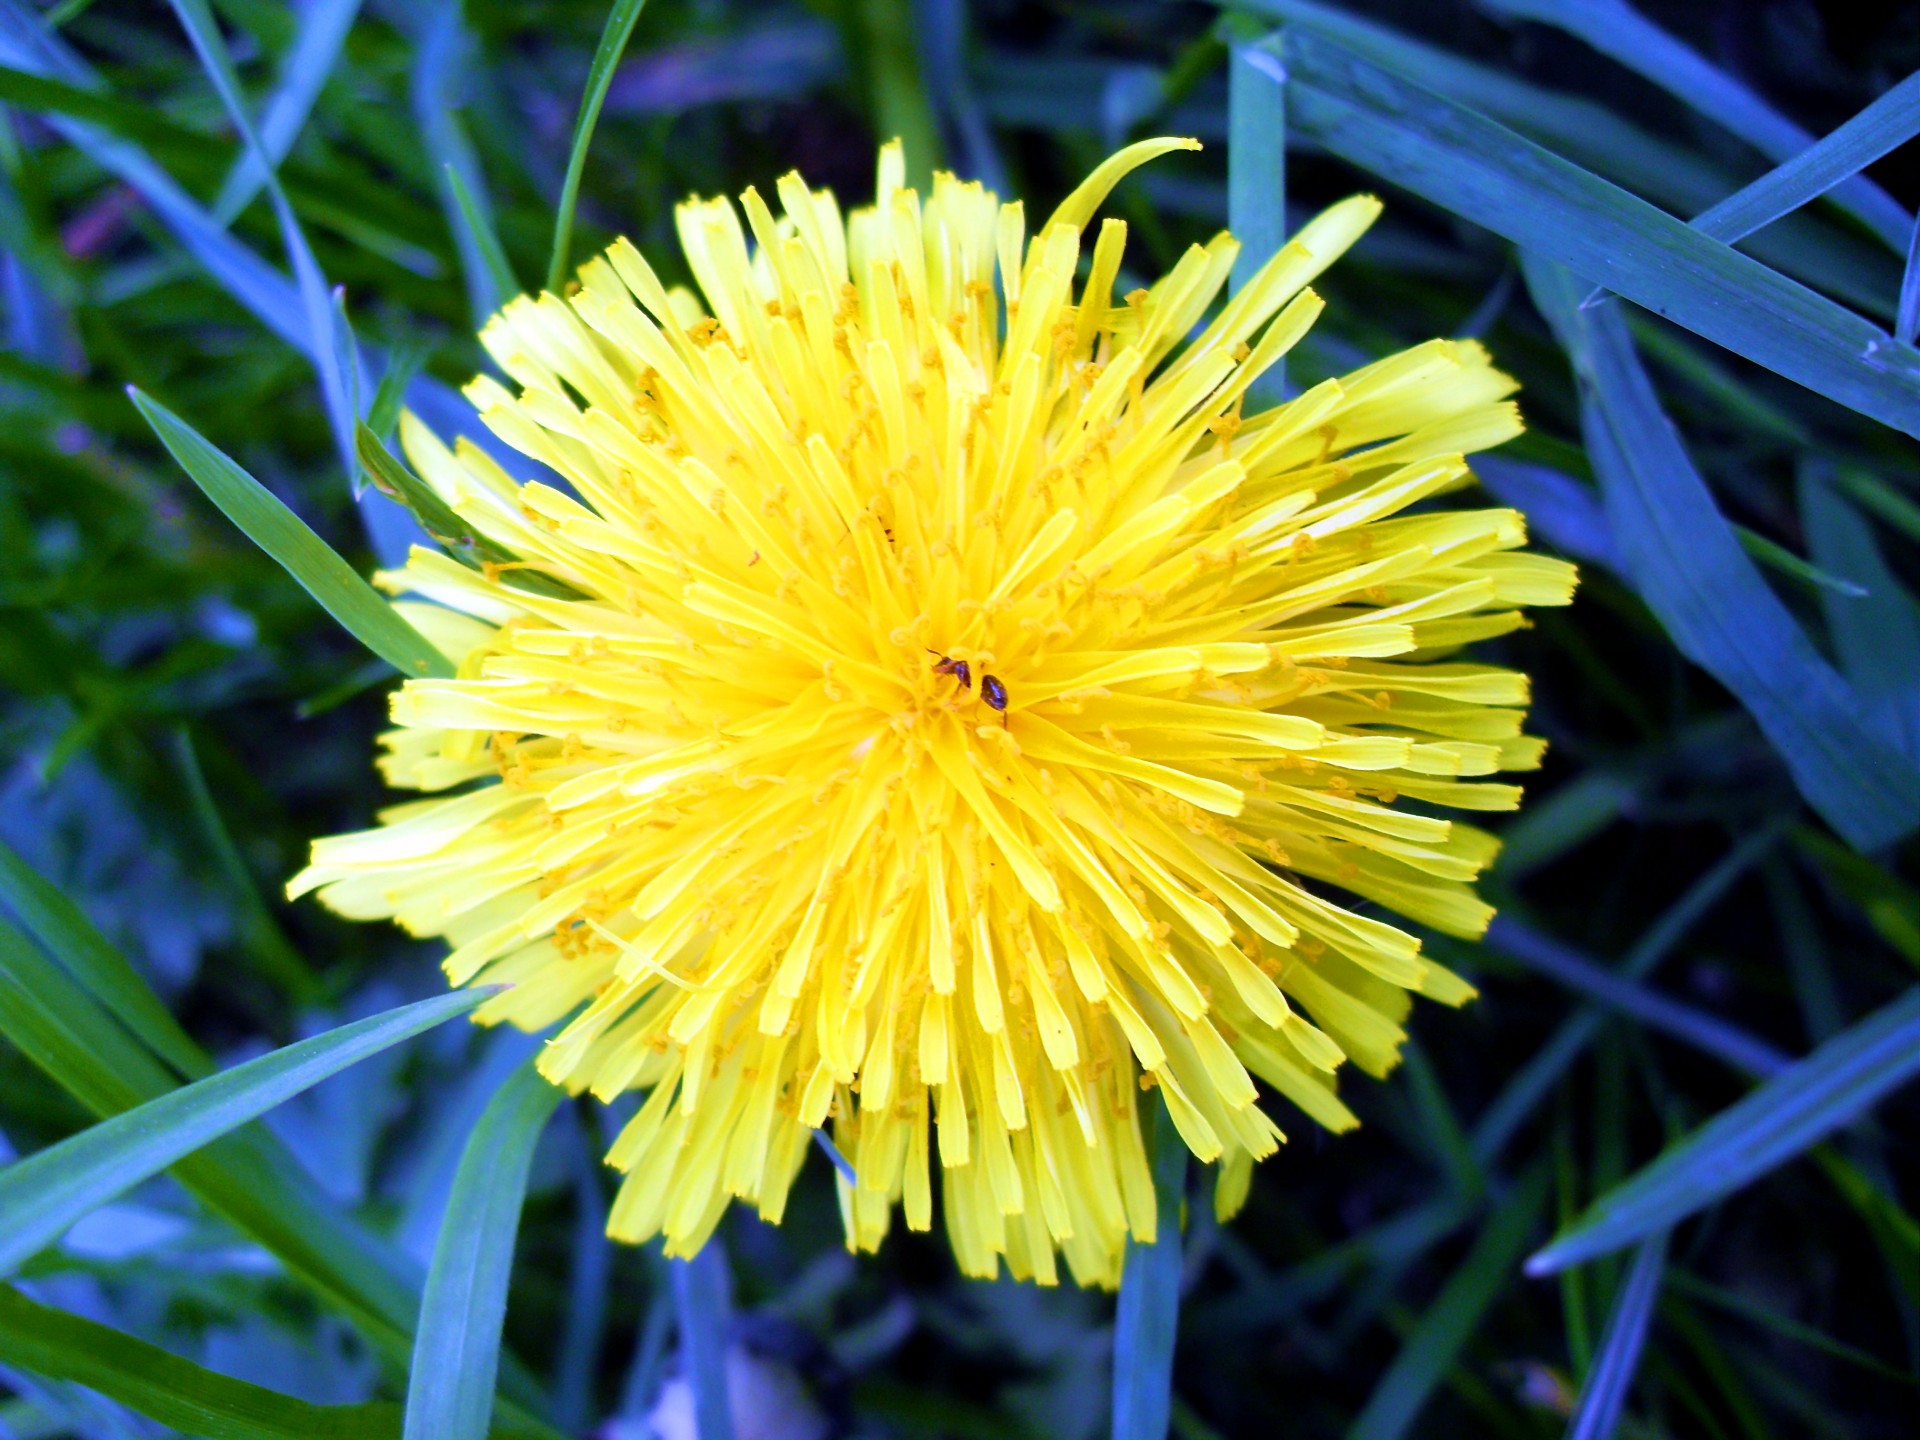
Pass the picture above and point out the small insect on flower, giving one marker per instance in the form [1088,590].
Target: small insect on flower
[958,669]
[700,806]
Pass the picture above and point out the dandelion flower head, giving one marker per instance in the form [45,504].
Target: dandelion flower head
[941,711]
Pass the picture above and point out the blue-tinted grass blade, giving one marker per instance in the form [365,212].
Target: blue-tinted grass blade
[1486,173]
[1257,178]
[1677,179]
[441,44]
[65,933]
[304,555]
[480,238]
[1146,1322]
[1510,1109]
[943,49]
[1449,1322]
[606,59]
[1891,120]
[456,1351]
[577,1360]
[842,1166]
[1695,1027]
[1562,510]
[1684,561]
[43,1195]
[1605,1394]
[303,74]
[703,1304]
[1791,1112]
[1877,636]
[317,301]
[1906,325]
[244,275]
[1618,31]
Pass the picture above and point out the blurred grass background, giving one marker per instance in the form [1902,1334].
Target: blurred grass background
[1713,877]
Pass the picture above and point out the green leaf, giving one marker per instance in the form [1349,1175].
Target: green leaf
[481,240]
[1450,1321]
[402,366]
[1831,1087]
[456,1351]
[701,1306]
[1484,172]
[1147,1320]
[303,554]
[260,933]
[64,931]
[1776,557]
[606,59]
[248,1177]
[1616,30]
[163,1387]
[45,1194]
[184,1396]
[1687,566]
[439,519]
[1891,120]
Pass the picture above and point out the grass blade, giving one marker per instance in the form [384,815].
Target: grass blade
[1147,1320]
[1257,176]
[260,933]
[456,1352]
[182,1395]
[163,1387]
[1678,180]
[316,298]
[1891,120]
[1907,324]
[41,1196]
[440,49]
[1605,1394]
[1782,561]
[65,932]
[481,239]
[1876,637]
[701,1305]
[1688,567]
[1450,1321]
[247,1177]
[303,554]
[1484,172]
[1832,1086]
[1655,1011]
[303,74]
[1618,31]
[606,59]
[1500,1121]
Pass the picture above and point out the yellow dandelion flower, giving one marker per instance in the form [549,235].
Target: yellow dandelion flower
[940,710]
